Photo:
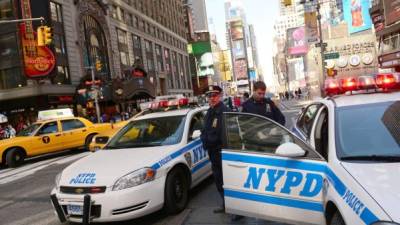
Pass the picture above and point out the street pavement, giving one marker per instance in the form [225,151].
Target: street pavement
[24,192]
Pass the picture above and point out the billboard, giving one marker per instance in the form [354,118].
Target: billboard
[392,11]
[240,69]
[356,14]
[204,58]
[296,40]
[311,26]
[236,29]
[238,49]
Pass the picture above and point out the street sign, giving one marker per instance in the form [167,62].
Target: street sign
[317,45]
[333,55]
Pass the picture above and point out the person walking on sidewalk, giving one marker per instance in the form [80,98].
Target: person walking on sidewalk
[259,104]
[211,137]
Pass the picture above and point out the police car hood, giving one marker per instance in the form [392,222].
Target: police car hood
[104,167]
[381,181]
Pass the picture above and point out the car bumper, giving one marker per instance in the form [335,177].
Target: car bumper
[113,205]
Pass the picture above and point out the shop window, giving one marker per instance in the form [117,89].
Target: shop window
[6,9]
[11,78]
[61,75]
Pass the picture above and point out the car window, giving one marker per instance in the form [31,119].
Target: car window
[307,119]
[196,123]
[71,124]
[253,133]
[321,134]
[48,128]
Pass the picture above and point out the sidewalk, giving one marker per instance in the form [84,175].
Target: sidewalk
[205,199]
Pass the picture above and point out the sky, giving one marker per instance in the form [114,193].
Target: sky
[260,13]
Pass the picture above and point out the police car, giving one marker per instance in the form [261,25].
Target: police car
[345,168]
[150,163]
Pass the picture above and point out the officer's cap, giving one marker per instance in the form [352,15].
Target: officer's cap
[213,89]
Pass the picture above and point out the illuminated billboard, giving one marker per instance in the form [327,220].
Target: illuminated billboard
[204,58]
[236,30]
[356,15]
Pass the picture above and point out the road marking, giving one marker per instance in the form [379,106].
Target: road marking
[19,173]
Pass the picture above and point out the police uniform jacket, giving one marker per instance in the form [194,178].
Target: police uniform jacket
[266,108]
[211,135]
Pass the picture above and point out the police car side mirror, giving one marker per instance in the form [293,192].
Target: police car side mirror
[101,140]
[289,149]
[196,134]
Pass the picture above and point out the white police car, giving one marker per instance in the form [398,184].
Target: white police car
[151,163]
[348,173]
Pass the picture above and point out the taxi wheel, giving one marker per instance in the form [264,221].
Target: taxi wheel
[88,140]
[337,219]
[176,192]
[14,157]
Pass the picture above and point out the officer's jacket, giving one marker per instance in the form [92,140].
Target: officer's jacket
[211,135]
[266,108]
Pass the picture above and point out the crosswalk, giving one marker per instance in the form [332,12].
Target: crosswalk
[8,175]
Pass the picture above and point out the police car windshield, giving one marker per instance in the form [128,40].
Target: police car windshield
[149,133]
[29,130]
[369,132]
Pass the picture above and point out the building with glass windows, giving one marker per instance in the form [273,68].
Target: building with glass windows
[115,38]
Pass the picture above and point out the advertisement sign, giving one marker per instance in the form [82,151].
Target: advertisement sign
[296,39]
[236,30]
[311,26]
[238,49]
[204,58]
[240,69]
[356,14]
[392,11]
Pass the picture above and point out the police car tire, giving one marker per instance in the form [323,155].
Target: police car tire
[337,219]
[14,157]
[173,205]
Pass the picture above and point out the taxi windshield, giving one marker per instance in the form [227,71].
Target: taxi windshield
[29,130]
[149,133]
[369,132]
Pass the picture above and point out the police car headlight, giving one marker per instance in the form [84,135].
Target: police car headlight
[135,178]
[384,223]
[57,180]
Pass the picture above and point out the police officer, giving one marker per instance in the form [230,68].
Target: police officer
[211,136]
[259,104]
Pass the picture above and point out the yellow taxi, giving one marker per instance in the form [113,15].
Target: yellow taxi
[55,130]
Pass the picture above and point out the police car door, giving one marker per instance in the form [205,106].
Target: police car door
[269,173]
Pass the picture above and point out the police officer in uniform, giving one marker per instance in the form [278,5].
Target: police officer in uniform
[211,136]
[259,104]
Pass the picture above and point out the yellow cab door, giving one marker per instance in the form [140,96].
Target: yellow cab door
[48,138]
[74,132]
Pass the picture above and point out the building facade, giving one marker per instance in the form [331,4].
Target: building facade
[114,36]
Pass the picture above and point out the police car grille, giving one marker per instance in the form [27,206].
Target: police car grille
[82,190]
[129,209]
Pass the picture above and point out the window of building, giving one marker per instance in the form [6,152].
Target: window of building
[55,11]
[6,9]
[134,21]
[136,41]
[120,14]
[129,19]
[124,58]
[60,75]
[121,36]
[114,12]
[11,75]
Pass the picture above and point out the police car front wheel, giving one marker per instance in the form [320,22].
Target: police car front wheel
[337,219]
[176,191]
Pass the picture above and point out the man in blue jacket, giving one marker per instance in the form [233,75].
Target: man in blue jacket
[259,104]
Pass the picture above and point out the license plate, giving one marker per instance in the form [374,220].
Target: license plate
[75,210]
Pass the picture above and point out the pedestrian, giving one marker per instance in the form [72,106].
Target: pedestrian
[211,137]
[287,95]
[245,96]
[259,104]
[299,92]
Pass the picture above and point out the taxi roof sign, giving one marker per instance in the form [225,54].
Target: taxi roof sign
[55,114]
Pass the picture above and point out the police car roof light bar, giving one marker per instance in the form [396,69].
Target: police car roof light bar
[385,81]
[332,87]
[366,83]
[348,84]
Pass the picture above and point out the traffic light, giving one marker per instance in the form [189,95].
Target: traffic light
[98,65]
[287,2]
[331,72]
[40,36]
[48,35]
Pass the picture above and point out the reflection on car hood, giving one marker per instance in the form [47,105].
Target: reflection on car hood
[107,166]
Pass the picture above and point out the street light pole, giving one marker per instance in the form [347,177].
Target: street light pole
[21,20]
[96,100]
[321,42]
